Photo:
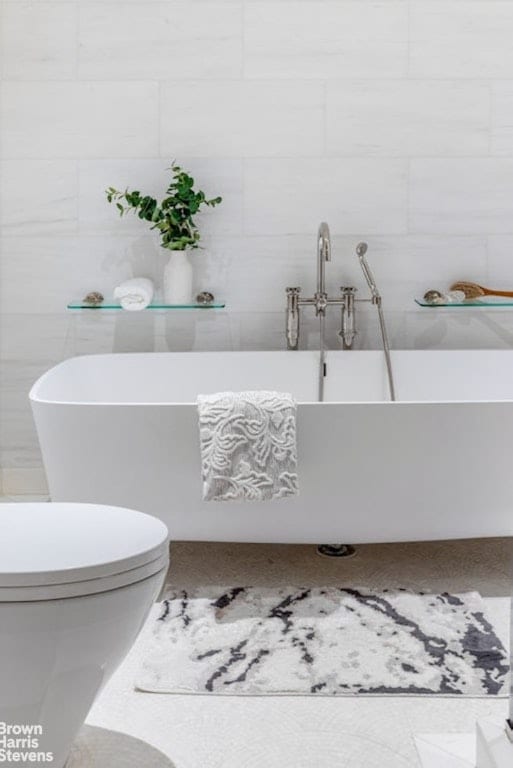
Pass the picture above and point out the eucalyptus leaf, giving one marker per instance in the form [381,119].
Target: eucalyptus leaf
[173,216]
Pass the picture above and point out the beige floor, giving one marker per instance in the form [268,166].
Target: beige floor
[297,732]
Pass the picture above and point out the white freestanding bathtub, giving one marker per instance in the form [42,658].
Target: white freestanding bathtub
[122,429]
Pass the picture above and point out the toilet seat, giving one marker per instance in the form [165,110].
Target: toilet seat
[58,550]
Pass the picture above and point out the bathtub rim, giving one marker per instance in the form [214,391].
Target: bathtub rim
[34,398]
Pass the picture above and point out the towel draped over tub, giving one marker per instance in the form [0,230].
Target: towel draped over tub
[248,446]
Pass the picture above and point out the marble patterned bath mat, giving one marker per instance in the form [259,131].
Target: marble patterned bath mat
[262,641]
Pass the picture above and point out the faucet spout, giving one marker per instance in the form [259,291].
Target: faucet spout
[323,255]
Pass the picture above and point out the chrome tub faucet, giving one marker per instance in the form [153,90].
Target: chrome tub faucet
[319,301]
[347,301]
[323,255]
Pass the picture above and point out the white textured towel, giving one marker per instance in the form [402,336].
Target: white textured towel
[135,294]
[248,446]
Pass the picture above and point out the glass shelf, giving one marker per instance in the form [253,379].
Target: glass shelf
[486,301]
[78,304]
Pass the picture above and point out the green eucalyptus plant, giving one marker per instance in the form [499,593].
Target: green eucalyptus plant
[173,216]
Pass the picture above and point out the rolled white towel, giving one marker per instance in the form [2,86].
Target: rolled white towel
[135,294]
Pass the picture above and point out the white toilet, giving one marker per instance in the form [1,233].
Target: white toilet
[76,584]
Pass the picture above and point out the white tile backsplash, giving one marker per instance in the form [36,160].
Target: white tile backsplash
[462,196]
[502,118]
[407,118]
[500,258]
[291,196]
[38,40]
[81,119]
[242,118]
[461,38]
[40,275]
[326,39]
[172,40]
[391,119]
[38,197]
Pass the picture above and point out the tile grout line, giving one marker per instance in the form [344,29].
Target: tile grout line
[325,119]
[243,40]
[409,159]
[264,80]
[2,47]
[159,119]
[491,119]
[77,38]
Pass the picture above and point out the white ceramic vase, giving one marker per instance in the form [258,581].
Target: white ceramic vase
[178,278]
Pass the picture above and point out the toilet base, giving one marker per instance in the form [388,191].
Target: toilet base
[57,655]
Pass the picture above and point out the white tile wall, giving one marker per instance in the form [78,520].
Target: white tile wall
[39,40]
[500,248]
[88,263]
[461,196]
[502,118]
[173,40]
[392,119]
[242,118]
[461,38]
[54,119]
[38,197]
[326,39]
[412,118]
[353,194]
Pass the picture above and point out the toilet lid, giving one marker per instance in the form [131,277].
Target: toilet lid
[64,544]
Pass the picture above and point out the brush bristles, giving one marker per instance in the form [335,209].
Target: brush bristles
[471,290]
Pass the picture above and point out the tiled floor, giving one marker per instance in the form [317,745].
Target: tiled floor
[305,732]
[168,731]
[452,750]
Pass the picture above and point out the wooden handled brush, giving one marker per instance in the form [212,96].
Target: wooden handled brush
[474,291]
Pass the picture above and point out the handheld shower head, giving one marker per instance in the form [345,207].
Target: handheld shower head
[361,250]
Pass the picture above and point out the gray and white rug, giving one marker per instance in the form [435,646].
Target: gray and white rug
[257,641]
